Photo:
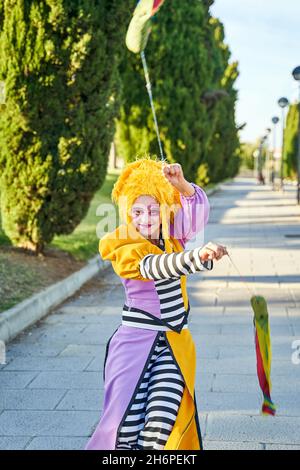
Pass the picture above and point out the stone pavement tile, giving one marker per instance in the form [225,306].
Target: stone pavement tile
[19,349]
[294,320]
[266,429]
[246,311]
[282,340]
[14,442]
[76,350]
[210,283]
[292,284]
[202,421]
[223,340]
[70,336]
[206,313]
[238,297]
[30,399]
[293,312]
[280,324]
[295,323]
[10,379]
[106,329]
[49,363]
[70,309]
[241,365]
[225,445]
[242,316]
[66,380]
[97,363]
[49,332]
[235,383]
[47,423]
[234,285]
[282,447]
[84,399]
[234,351]
[286,368]
[296,296]
[287,403]
[78,318]
[57,443]
[205,351]
[247,329]
[113,310]
[203,382]
[204,300]
[235,403]
[204,328]
[233,339]
[249,383]
[283,352]
[286,384]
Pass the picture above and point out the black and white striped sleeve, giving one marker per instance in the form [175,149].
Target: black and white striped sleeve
[173,265]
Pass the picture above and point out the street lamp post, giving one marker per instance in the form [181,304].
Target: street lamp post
[268,131]
[296,75]
[255,156]
[283,103]
[275,121]
[259,160]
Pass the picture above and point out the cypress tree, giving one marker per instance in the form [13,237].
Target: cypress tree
[223,152]
[291,142]
[59,61]
[187,68]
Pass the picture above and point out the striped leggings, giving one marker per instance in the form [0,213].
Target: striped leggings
[153,411]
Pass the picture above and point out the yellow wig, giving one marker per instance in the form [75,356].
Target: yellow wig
[145,177]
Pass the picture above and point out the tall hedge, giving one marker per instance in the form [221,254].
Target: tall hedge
[291,142]
[192,83]
[223,152]
[59,61]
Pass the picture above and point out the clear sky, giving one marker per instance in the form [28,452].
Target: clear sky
[264,36]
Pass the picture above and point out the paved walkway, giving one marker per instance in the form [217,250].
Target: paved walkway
[51,389]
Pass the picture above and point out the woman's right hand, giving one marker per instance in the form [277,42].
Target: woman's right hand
[212,251]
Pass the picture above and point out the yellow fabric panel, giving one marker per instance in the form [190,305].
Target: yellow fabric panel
[184,350]
[184,434]
[125,252]
[125,247]
[190,439]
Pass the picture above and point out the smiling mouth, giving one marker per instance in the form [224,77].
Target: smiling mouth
[146,226]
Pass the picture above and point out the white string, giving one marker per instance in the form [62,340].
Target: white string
[148,86]
[252,292]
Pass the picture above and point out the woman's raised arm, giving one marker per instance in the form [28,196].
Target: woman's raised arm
[192,217]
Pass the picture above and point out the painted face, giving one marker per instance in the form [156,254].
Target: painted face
[146,216]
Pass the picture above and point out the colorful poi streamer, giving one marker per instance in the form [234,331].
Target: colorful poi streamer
[262,346]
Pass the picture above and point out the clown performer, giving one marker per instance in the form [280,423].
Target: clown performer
[150,360]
